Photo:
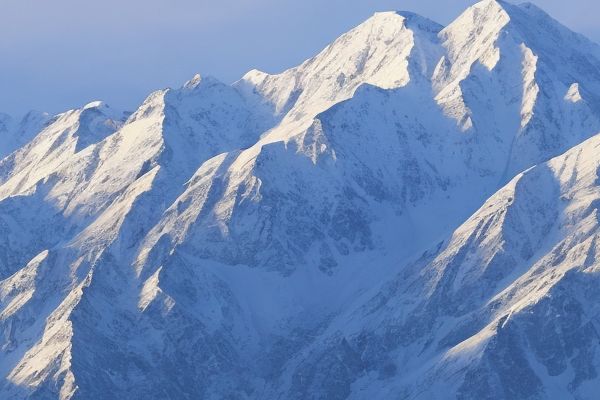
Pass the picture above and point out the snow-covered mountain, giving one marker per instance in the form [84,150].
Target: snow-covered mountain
[17,133]
[393,218]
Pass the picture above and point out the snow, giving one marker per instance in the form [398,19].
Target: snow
[573,95]
[399,216]
[94,104]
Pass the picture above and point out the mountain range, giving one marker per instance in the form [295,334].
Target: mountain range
[413,213]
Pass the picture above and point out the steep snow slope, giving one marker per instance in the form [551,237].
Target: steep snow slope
[388,50]
[29,220]
[512,51]
[303,235]
[94,201]
[504,308]
[377,146]
[64,136]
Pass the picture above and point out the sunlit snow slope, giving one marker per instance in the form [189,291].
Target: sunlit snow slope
[410,214]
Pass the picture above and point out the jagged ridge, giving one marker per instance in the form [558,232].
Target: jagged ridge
[328,232]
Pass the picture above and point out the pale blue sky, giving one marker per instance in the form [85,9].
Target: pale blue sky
[61,54]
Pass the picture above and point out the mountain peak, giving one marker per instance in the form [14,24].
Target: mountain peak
[416,21]
[199,81]
[491,13]
[409,19]
[388,50]
[488,11]
[214,228]
[98,104]
[489,5]
[525,16]
[194,82]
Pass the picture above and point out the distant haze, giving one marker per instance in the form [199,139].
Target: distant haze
[61,54]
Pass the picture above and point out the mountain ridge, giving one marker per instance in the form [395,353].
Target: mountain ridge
[392,218]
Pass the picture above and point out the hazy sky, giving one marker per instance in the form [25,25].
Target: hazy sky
[60,54]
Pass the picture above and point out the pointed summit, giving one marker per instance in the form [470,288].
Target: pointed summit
[488,6]
[479,33]
[95,104]
[526,20]
[194,82]
[479,25]
[214,228]
[388,50]
[411,20]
